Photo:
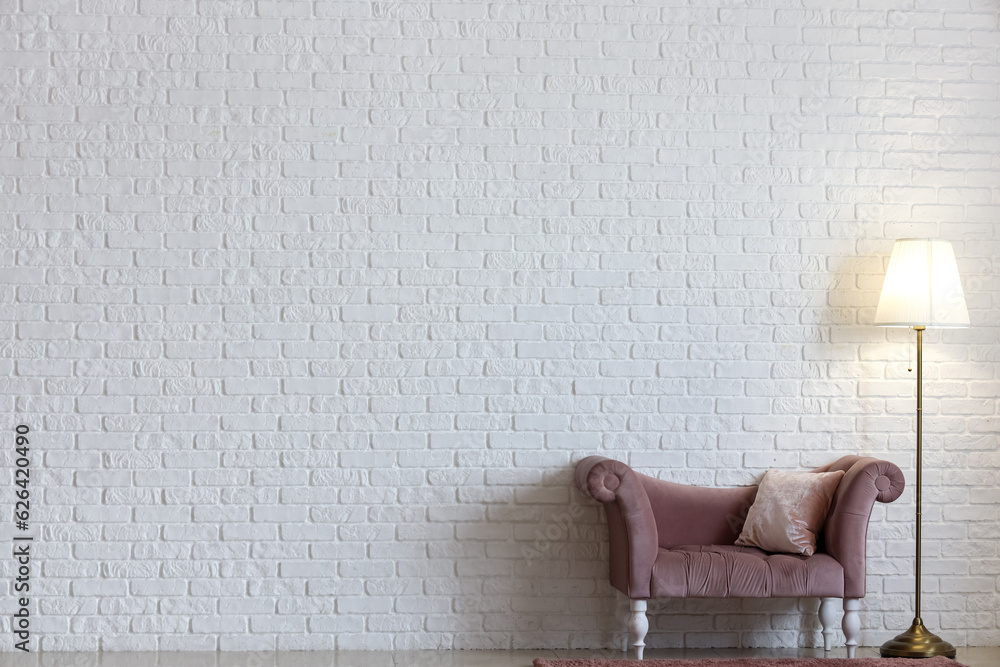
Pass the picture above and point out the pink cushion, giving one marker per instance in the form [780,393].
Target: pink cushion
[789,511]
[721,571]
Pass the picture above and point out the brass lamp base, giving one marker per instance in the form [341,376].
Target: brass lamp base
[917,642]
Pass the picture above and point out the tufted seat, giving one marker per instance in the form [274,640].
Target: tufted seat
[678,541]
[727,571]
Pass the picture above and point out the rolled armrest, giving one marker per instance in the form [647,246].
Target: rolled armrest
[631,525]
[866,480]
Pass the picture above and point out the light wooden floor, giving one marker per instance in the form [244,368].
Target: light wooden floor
[973,657]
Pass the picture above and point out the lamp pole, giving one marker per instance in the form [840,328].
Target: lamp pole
[920,458]
[918,641]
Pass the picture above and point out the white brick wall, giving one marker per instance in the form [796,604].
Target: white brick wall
[311,306]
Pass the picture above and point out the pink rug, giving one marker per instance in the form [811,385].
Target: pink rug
[753,662]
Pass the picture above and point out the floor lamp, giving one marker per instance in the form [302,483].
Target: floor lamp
[922,289]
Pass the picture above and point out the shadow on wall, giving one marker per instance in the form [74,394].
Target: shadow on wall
[845,326]
[548,587]
[538,558]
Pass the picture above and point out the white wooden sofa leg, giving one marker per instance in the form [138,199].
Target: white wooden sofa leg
[852,624]
[638,626]
[626,620]
[828,619]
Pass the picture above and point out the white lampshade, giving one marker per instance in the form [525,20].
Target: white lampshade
[922,287]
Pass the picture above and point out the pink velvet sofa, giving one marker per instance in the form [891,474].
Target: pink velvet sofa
[672,540]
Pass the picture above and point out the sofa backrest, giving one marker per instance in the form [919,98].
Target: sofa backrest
[688,515]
